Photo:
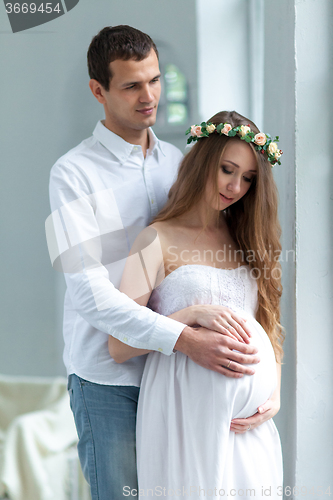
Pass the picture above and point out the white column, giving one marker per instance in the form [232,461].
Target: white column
[314,238]
[298,106]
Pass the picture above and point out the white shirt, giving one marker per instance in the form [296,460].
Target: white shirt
[102,193]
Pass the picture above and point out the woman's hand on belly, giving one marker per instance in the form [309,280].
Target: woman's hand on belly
[265,411]
[219,318]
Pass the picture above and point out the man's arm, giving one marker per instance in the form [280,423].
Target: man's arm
[79,230]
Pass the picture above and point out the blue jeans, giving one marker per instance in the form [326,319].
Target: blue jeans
[105,418]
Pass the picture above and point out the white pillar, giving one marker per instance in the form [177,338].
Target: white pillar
[314,238]
[298,107]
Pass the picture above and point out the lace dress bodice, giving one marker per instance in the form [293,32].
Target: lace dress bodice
[198,284]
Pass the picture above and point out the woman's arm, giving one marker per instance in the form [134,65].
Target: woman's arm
[143,271]
[121,352]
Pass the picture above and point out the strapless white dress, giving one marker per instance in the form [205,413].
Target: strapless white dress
[185,447]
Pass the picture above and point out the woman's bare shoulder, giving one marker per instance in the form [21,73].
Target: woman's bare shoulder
[165,227]
[144,239]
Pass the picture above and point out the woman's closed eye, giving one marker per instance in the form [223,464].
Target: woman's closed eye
[225,170]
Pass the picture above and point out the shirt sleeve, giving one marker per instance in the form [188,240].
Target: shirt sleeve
[75,242]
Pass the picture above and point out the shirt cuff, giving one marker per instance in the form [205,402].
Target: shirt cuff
[166,334]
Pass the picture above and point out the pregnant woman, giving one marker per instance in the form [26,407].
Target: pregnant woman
[216,242]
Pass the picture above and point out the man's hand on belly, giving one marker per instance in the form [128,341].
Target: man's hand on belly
[217,352]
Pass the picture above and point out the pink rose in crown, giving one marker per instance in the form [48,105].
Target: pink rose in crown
[260,139]
[226,129]
[196,131]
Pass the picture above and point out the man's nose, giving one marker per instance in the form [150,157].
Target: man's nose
[146,94]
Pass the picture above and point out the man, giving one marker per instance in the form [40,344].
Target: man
[102,193]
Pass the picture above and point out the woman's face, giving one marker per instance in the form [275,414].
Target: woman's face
[237,170]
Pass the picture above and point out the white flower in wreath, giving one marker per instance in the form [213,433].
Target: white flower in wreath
[244,130]
[272,148]
[210,128]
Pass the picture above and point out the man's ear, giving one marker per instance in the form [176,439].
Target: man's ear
[98,90]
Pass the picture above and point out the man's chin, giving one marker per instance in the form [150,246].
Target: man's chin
[148,121]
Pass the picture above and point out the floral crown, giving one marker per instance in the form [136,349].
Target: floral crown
[262,142]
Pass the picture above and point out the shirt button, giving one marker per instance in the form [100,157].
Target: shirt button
[160,349]
[135,148]
[125,339]
[152,202]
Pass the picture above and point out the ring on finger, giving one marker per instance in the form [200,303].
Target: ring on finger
[227,327]
[228,363]
[249,428]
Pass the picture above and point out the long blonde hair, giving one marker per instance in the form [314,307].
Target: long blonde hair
[252,220]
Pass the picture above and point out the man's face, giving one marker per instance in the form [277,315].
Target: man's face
[132,99]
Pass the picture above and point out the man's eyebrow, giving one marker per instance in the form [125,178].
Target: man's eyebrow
[235,164]
[127,84]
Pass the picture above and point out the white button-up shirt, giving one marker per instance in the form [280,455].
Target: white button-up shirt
[102,193]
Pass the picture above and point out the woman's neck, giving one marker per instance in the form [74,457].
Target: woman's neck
[202,219]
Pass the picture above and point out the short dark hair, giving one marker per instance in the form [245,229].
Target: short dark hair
[116,42]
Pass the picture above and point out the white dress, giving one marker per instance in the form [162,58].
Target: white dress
[185,447]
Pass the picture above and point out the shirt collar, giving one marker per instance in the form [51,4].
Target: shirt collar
[154,142]
[118,146]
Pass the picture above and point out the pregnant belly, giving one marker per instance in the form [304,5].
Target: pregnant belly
[183,423]
[177,382]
